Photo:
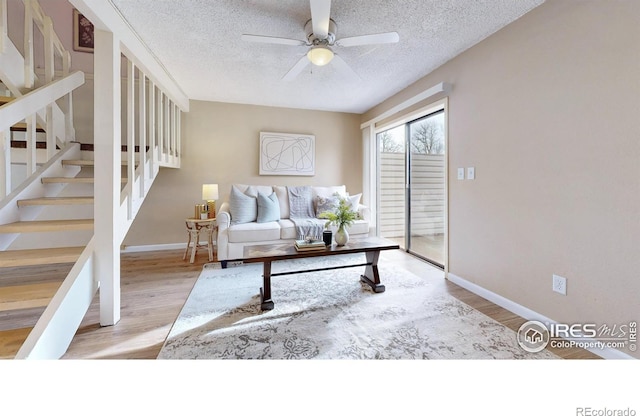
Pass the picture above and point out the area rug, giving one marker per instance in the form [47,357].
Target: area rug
[331,315]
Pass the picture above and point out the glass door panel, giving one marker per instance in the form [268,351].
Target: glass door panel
[426,217]
[391,184]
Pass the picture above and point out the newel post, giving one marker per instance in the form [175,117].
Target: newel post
[107,145]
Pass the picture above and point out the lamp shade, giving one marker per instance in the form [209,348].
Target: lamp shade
[210,192]
[320,55]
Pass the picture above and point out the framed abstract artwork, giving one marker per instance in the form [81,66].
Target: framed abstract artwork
[287,154]
[82,33]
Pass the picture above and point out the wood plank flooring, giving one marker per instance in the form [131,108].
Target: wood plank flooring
[155,286]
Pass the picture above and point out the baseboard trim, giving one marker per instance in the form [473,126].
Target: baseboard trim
[153,247]
[528,314]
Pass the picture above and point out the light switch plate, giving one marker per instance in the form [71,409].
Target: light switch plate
[460,174]
[471,173]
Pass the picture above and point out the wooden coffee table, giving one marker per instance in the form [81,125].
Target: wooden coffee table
[267,254]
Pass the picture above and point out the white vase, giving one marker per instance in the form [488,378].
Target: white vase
[342,236]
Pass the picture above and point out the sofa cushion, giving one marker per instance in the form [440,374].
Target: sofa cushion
[287,229]
[359,227]
[328,191]
[254,232]
[268,207]
[253,189]
[242,206]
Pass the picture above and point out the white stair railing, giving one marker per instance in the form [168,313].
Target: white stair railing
[152,120]
[25,108]
[58,123]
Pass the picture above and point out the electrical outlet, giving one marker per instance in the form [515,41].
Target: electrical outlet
[560,284]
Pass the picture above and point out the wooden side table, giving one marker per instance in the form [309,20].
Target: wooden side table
[194,228]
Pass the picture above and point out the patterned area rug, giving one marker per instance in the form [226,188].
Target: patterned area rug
[331,315]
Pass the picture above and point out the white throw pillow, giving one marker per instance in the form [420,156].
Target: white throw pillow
[283,200]
[354,201]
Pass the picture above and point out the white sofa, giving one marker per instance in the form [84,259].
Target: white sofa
[233,237]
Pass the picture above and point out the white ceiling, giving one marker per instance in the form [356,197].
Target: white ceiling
[199,43]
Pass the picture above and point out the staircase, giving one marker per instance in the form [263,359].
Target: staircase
[24,290]
[53,261]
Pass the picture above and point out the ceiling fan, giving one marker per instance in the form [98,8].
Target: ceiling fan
[321,38]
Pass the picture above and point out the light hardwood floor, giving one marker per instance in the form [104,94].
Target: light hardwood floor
[155,286]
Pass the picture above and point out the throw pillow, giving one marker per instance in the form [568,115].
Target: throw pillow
[242,207]
[354,201]
[283,198]
[300,202]
[268,207]
[324,203]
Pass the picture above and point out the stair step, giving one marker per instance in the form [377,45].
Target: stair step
[27,296]
[78,162]
[87,162]
[62,179]
[39,256]
[67,200]
[23,127]
[46,226]
[11,341]
[4,99]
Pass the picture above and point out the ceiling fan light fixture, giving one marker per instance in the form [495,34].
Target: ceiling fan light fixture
[320,55]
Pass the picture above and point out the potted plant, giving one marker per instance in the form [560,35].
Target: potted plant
[342,217]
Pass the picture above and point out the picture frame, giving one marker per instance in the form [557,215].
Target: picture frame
[287,154]
[82,33]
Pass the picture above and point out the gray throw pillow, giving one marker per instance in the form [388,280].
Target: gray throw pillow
[242,207]
[268,207]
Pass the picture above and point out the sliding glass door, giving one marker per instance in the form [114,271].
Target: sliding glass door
[411,186]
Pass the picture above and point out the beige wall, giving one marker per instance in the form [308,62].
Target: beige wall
[220,145]
[548,112]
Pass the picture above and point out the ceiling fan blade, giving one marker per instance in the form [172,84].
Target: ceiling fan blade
[344,68]
[272,39]
[390,37]
[296,69]
[320,15]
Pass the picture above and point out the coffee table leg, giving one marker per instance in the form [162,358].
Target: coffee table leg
[371,276]
[266,303]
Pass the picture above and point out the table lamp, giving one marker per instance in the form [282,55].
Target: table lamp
[210,194]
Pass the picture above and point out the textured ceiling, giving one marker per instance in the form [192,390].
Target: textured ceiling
[199,42]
